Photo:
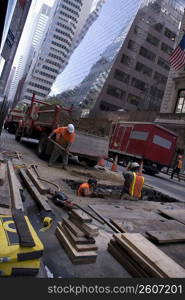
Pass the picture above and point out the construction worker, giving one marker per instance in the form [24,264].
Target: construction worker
[133,182]
[86,189]
[177,168]
[65,136]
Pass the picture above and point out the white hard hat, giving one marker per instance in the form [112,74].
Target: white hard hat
[70,128]
[134,165]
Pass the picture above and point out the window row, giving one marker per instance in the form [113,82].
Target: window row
[53,63]
[43,80]
[72,4]
[39,86]
[60,46]
[56,56]
[64,33]
[58,51]
[46,74]
[159,28]
[70,10]
[68,16]
[62,39]
[50,69]
[65,27]
[36,93]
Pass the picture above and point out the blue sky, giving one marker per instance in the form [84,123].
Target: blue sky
[114,15]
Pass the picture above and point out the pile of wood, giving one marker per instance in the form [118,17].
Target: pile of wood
[142,258]
[76,235]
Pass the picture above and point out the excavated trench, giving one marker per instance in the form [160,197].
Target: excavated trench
[114,191]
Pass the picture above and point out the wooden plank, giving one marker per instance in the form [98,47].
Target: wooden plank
[153,255]
[81,216]
[84,227]
[20,187]
[165,237]
[14,189]
[177,214]
[78,248]
[25,237]
[118,225]
[2,173]
[74,239]
[37,183]
[76,257]
[137,257]
[41,199]
[5,211]
[126,261]
[75,230]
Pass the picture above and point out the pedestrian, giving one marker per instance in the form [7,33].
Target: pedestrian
[65,136]
[86,189]
[134,181]
[177,168]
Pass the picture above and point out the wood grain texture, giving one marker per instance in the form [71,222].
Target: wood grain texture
[165,237]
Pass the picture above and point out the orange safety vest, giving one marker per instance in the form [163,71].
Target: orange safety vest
[136,186]
[82,187]
[179,165]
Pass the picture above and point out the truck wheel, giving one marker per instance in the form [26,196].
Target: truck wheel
[18,135]
[41,150]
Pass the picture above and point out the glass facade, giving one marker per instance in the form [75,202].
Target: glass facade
[122,62]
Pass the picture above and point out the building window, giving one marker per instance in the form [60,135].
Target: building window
[152,40]
[160,78]
[108,107]
[158,27]
[134,100]
[126,60]
[147,54]
[121,76]
[141,85]
[167,49]
[180,107]
[156,93]
[143,69]
[115,92]
[163,63]
[169,34]
[132,45]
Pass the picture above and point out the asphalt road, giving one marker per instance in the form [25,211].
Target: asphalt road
[162,183]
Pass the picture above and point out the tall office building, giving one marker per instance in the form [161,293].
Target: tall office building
[139,74]
[54,49]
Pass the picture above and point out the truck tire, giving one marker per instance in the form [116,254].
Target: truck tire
[41,149]
[18,135]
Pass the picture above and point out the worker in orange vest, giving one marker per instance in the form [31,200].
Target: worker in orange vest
[86,189]
[178,167]
[133,182]
[65,136]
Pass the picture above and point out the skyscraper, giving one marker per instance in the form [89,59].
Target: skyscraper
[54,49]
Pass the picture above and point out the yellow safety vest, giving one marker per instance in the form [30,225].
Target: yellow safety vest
[136,186]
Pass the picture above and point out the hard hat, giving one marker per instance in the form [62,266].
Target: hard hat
[179,156]
[92,181]
[134,165]
[70,128]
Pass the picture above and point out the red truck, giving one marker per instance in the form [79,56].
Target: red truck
[12,120]
[153,144]
[92,140]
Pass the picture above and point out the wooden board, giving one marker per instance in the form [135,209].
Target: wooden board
[41,199]
[5,211]
[2,173]
[86,229]
[37,183]
[81,216]
[118,225]
[78,248]
[25,237]
[126,261]
[165,237]
[74,239]
[177,214]
[14,188]
[75,230]
[76,257]
[154,256]
[137,257]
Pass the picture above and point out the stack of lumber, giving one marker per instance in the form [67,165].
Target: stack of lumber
[141,258]
[76,235]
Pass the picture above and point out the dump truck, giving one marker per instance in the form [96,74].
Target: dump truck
[153,144]
[92,139]
[12,120]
